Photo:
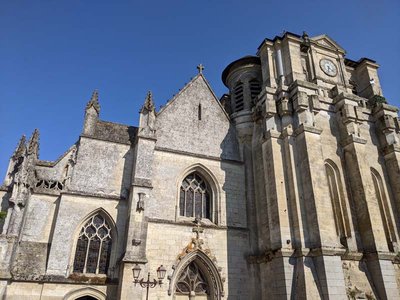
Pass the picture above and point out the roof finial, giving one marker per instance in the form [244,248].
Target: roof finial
[148,102]
[33,146]
[19,151]
[94,101]
[305,36]
[200,67]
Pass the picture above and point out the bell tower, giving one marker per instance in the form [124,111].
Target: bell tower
[243,79]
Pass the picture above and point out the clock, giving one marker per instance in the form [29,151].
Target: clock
[328,67]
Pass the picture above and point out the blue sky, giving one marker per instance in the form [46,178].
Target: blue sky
[53,54]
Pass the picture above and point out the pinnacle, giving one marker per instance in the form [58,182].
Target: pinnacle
[19,151]
[33,145]
[94,102]
[148,103]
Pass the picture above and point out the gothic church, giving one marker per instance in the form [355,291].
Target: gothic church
[286,187]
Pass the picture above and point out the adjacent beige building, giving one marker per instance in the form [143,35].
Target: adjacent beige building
[287,187]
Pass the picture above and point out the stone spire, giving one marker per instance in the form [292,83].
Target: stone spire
[147,116]
[21,147]
[148,103]
[92,112]
[33,145]
[94,102]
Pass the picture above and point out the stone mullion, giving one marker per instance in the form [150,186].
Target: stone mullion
[87,255]
[99,256]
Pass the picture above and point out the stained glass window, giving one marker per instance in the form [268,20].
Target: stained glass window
[93,247]
[195,197]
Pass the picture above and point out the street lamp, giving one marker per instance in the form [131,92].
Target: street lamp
[161,270]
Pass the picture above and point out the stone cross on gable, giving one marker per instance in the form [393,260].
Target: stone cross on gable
[198,228]
[200,67]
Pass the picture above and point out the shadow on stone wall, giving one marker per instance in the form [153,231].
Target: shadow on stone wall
[240,275]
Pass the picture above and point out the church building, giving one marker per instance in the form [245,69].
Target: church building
[286,187]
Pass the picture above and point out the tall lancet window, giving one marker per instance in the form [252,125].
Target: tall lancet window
[93,248]
[339,207]
[195,197]
[384,209]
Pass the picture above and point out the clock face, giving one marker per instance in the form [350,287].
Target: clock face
[328,67]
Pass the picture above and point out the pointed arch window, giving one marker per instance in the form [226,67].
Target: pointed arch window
[93,248]
[192,282]
[387,220]
[195,197]
[342,222]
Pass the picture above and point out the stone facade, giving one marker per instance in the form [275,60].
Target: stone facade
[300,166]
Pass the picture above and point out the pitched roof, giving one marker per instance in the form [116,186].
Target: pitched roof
[327,42]
[114,132]
[199,76]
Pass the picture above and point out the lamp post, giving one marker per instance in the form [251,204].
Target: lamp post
[148,284]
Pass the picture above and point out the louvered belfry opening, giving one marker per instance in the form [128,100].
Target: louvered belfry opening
[238,93]
[255,89]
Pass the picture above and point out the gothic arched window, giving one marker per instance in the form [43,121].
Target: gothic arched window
[384,209]
[192,282]
[93,248]
[195,197]
[336,194]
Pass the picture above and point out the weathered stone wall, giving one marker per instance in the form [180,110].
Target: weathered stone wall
[73,211]
[169,171]
[39,218]
[110,166]
[167,242]
[56,291]
[179,128]
[55,170]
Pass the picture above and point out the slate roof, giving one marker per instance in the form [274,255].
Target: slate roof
[114,132]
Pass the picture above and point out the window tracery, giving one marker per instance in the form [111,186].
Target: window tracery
[192,281]
[195,197]
[93,248]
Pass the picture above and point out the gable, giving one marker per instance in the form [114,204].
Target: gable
[327,42]
[180,126]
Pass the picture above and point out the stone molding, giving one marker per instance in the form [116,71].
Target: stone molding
[162,149]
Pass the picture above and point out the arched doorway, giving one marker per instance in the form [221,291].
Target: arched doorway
[86,293]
